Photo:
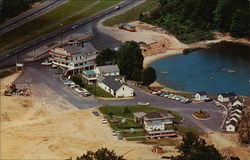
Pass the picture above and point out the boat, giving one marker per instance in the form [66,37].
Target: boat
[231,71]
[211,78]
[164,72]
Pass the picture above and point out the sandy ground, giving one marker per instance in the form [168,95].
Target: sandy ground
[31,129]
[228,144]
[159,44]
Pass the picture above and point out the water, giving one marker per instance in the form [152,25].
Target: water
[224,67]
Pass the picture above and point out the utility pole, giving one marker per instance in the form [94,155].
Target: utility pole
[61,33]
[16,62]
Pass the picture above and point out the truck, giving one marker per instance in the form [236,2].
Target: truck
[128,27]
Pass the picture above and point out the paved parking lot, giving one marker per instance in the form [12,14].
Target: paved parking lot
[50,89]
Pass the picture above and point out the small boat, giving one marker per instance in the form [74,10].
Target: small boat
[211,78]
[231,71]
[164,72]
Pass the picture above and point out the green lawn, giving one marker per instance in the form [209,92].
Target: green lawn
[132,14]
[134,134]
[119,110]
[99,92]
[119,126]
[51,21]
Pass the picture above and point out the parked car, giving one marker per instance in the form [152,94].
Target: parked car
[96,113]
[80,90]
[114,133]
[46,63]
[143,103]
[104,121]
[119,136]
[208,100]
[58,72]
[68,82]
[86,94]
[74,86]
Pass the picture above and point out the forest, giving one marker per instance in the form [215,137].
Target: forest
[195,20]
[11,8]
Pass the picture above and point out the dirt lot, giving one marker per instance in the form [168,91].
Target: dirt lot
[34,130]
[228,144]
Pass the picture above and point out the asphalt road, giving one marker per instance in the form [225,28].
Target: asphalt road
[30,15]
[50,89]
[100,40]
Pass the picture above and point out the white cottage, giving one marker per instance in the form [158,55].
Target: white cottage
[114,86]
[225,97]
[231,126]
[154,121]
[235,102]
[200,96]
[109,70]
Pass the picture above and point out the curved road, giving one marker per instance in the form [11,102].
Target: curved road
[30,15]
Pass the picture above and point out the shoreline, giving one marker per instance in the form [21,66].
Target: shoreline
[194,46]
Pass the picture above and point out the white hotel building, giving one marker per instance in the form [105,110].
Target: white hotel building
[74,58]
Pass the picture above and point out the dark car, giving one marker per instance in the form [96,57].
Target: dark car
[96,113]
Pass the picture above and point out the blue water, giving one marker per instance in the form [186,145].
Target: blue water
[208,70]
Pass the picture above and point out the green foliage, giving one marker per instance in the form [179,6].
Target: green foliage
[148,76]
[77,79]
[240,25]
[137,75]
[191,24]
[105,57]
[129,58]
[6,73]
[100,154]
[11,8]
[126,110]
[194,148]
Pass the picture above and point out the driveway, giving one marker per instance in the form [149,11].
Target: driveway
[49,88]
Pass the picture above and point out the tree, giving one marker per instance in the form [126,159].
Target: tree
[105,57]
[240,25]
[126,110]
[148,76]
[137,75]
[100,154]
[129,58]
[195,148]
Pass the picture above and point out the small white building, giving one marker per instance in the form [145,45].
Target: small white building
[235,102]
[89,76]
[235,118]
[114,86]
[225,97]
[154,121]
[109,70]
[231,126]
[200,96]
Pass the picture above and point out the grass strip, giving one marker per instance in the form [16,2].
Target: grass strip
[132,14]
[49,21]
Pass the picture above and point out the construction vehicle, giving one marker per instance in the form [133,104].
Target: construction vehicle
[157,149]
[128,27]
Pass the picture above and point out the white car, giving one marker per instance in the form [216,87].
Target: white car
[104,121]
[114,133]
[143,103]
[46,63]
[80,90]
